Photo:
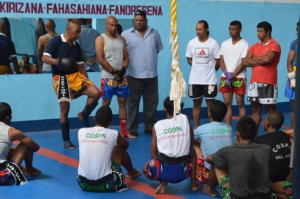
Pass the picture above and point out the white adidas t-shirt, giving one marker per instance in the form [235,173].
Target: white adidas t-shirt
[173,136]
[204,55]
[95,148]
[233,54]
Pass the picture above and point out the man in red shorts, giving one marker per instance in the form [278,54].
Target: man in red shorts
[232,52]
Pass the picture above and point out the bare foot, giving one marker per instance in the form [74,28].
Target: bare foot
[206,189]
[130,136]
[32,172]
[161,189]
[135,173]
[195,187]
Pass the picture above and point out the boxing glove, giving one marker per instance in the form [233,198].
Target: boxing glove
[121,72]
[114,72]
[228,75]
[67,66]
[228,83]
[291,75]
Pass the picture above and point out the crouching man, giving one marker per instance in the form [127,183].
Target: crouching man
[171,151]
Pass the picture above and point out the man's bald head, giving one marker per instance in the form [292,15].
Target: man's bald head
[50,25]
[111,24]
[111,19]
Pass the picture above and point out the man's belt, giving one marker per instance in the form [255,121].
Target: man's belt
[173,160]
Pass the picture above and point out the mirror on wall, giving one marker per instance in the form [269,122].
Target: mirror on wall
[25,32]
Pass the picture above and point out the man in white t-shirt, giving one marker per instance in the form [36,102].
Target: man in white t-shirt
[101,153]
[203,55]
[232,52]
[170,164]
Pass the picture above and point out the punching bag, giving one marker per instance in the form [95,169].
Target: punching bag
[7,25]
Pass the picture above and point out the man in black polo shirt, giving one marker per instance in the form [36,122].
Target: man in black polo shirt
[70,79]
[7,52]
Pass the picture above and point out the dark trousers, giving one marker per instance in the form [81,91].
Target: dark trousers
[148,88]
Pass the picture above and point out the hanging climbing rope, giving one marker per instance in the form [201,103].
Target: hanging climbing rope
[178,85]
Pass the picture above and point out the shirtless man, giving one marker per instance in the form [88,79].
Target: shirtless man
[43,42]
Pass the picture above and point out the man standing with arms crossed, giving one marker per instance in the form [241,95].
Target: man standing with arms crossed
[143,44]
[112,54]
[232,52]
[203,56]
[263,57]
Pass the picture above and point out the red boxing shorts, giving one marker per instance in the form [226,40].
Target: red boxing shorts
[238,86]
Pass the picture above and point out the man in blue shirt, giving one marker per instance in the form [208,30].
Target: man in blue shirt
[143,44]
[86,41]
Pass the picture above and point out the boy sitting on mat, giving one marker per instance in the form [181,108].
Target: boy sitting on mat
[101,153]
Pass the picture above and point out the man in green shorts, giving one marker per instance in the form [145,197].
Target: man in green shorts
[101,153]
